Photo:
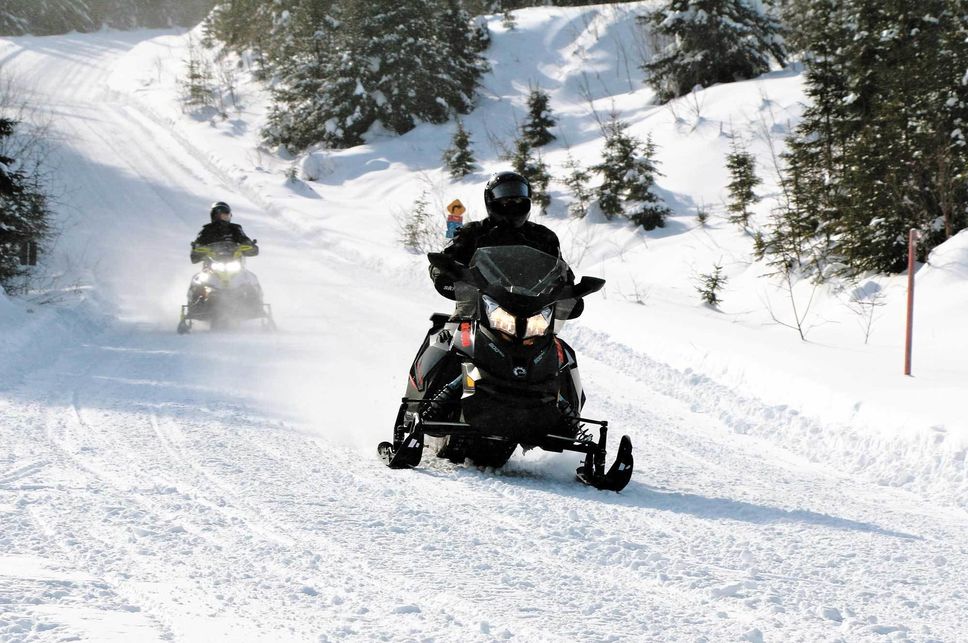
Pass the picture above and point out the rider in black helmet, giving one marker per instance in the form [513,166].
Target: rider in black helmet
[222,229]
[507,197]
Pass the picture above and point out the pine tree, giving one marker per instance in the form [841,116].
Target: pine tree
[197,86]
[458,158]
[539,120]
[539,175]
[24,214]
[577,181]
[643,207]
[617,159]
[710,284]
[742,171]
[45,17]
[711,41]
[364,62]
[464,40]
[532,167]
[628,176]
[419,229]
[508,21]
[244,25]
[881,148]
[317,98]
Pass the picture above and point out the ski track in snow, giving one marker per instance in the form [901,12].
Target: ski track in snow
[150,490]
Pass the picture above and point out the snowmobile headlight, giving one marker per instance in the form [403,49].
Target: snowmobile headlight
[227,266]
[500,319]
[538,324]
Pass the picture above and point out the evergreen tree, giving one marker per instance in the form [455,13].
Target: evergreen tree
[577,181]
[628,176]
[458,158]
[793,241]
[362,62]
[709,42]
[710,284]
[45,17]
[23,210]
[539,119]
[316,99]
[532,167]
[742,171]
[464,39]
[243,24]
[197,86]
[411,77]
[508,21]
[643,206]
[617,159]
[419,230]
[881,149]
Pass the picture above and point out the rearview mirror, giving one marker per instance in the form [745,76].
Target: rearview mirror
[587,285]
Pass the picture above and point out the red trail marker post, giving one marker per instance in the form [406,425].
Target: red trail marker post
[912,247]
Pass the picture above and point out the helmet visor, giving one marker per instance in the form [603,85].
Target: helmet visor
[221,209]
[511,210]
[511,189]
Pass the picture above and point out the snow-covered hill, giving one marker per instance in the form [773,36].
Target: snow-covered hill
[226,486]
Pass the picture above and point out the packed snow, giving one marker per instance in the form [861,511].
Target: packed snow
[225,486]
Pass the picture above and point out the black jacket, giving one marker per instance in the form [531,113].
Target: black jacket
[483,234]
[222,231]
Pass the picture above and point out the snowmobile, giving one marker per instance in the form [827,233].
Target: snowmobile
[224,293]
[481,386]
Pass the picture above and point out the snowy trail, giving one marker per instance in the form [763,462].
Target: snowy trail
[225,487]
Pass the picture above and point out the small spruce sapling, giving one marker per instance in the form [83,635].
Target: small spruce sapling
[710,284]
[540,119]
[458,158]
[628,176]
[577,181]
[742,171]
[533,168]
[644,207]
[197,86]
[702,215]
[418,232]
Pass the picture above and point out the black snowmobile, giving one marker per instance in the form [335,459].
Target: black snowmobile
[480,387]
[224,293]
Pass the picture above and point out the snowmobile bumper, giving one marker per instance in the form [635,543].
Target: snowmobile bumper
[407,449]
[190,313]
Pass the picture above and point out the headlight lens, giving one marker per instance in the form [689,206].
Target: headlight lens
[228,266]
[538,324]
[498,318]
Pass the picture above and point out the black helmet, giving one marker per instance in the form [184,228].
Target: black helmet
[507,197]
[218,208]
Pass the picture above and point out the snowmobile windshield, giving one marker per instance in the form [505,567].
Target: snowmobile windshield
[223,249]
[520,270]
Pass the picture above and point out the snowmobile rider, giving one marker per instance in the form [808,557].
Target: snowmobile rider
[507,198]
[222,229]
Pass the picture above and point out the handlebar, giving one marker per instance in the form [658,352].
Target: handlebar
[459,272]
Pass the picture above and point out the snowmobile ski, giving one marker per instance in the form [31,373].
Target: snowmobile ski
[618,475]
[405,456]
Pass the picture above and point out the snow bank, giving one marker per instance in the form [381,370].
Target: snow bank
[33,335]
